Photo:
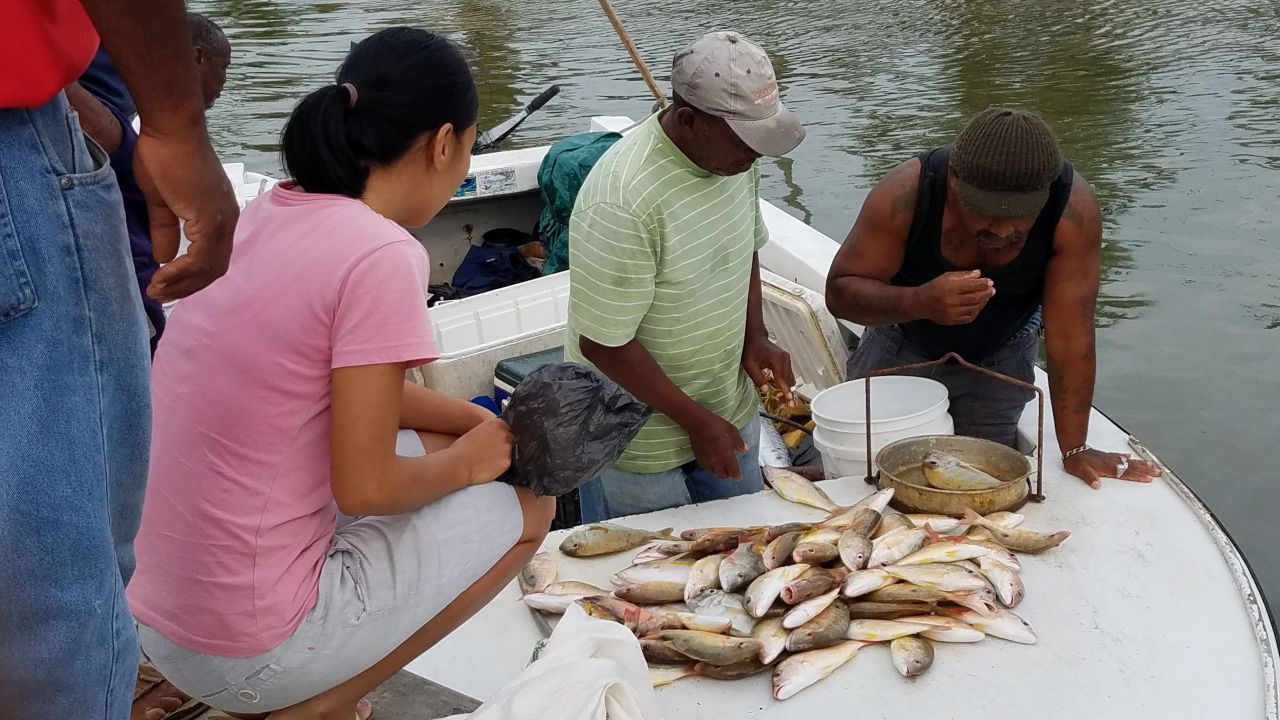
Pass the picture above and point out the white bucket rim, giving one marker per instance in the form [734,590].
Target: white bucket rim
[823,417]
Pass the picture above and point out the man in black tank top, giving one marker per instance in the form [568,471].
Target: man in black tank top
[974,249]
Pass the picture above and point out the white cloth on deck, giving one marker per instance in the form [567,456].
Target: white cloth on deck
[591,669]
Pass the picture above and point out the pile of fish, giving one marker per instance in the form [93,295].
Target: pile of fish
[803,598]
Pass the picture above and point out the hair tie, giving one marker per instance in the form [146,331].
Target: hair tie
[351,94]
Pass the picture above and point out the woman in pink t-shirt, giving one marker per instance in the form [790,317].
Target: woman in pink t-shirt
[313,521]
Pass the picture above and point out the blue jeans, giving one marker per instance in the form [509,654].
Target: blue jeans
[617,493]
[75,423]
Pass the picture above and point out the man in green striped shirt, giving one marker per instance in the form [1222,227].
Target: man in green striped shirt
[665,284]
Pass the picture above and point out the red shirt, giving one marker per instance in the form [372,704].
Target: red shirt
[44,45]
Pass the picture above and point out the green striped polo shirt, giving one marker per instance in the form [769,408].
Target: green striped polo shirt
[660,251]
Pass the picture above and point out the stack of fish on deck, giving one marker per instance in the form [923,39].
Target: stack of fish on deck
[803,597]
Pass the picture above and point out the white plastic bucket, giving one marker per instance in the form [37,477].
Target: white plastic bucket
[897,402]
[901,407]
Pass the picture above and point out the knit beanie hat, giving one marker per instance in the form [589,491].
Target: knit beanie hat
[1005,160]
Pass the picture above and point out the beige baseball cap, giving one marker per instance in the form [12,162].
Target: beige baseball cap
[728,76]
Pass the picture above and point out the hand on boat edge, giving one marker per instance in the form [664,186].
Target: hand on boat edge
[1093,465]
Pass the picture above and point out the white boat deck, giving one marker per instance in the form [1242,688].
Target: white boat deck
[1138,616]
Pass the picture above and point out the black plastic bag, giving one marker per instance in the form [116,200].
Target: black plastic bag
[569,423]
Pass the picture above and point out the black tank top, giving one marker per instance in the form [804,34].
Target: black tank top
[1019,285]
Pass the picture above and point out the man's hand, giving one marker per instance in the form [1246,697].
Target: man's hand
[716,445]
[955,298]
[182,179]
[1093,465]
[767,364]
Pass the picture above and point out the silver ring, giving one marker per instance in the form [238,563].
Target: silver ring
[1122,467]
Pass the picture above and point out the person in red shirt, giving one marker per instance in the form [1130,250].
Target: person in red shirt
[75,404]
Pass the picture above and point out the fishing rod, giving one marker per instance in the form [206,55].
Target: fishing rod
[490,139]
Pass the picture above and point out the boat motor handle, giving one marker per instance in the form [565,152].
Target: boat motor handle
[543,99]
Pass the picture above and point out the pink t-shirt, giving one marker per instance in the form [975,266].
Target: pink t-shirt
[239,512]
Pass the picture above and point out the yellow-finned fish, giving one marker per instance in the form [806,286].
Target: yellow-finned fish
[605,538]
[804,669]
[947,472]
[791,486]
[1024,541]
[911,655]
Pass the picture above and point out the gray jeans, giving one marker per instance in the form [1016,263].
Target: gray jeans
[981,406]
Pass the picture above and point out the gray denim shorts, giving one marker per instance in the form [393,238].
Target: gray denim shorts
[383,579]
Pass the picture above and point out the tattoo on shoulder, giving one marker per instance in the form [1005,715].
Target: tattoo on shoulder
[903,202]
[1072,213]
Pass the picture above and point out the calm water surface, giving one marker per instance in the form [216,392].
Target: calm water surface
[1171,108]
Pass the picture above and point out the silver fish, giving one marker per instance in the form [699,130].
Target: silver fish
[668,570]
[605,538]
[892,522]
[862,520]
[942,577]
[772,637]
[947,629]
[862,582]
[811,584]
[981,601]
[661,550]
[1018,540]
[944,524]
[1006,581]
[710,647]
[912,655]
[877,501]
[826,535]
[704,623]
[537,574]
[828,628]
[943,552]
[660,675]
[660,652]
[1004,624]
[792,487]
[817,553]
[654,592]
[890,548]
[559,596]
[704,574]
[882,630]
[764,590]
[728,605]
[854,549]
[778,552]
[804,669]
[745,668]
[948,472]
[808,610]
[742,565]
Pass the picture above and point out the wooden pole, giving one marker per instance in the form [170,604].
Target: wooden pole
[635,54]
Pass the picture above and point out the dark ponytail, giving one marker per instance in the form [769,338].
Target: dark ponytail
[405,82]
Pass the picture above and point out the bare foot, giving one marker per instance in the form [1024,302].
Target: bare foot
[158,702]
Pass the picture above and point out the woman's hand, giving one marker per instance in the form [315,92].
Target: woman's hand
[485,451]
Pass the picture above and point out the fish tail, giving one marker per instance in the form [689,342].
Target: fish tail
[665,534]
[972,518]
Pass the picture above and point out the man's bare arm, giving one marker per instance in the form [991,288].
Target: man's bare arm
[1070,297]
[175,165]
[858,286]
